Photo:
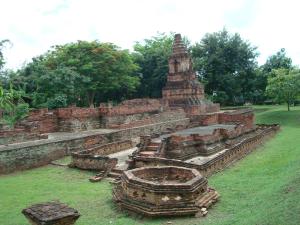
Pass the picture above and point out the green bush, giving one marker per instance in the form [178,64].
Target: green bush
[16,113]
[60,101]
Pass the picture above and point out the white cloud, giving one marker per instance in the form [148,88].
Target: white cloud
[34,25]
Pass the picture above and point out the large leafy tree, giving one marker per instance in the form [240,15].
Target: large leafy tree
[277,61]
[152,57]
[284,86]
[226,64]
[81,73]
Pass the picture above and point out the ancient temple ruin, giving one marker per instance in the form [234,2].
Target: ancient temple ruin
[164,191]
[183,88]
[160,151]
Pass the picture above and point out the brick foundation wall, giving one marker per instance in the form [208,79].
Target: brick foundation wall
[95,158]
[128,114]
[33,154]
[242,116]
[106,149]
[18,135]
[129,107]
[40,121]
[230,155]
[140,119]
[245,117]
[78,119]
[185,147]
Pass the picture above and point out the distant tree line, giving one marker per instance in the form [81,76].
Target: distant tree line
[86,73]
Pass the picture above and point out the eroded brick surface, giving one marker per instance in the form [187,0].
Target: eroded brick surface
[183,88]
[163,191]
[51,213]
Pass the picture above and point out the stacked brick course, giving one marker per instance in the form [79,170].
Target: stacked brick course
[164,191]
[230,153]
[95,158]
[183,88]
[51,213]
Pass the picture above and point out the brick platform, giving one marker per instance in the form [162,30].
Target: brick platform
[164,191]
[51,213]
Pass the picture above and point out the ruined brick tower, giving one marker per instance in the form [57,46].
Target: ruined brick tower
[183,88]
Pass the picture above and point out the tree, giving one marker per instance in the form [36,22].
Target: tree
[152,57]
[2,45]
[12,105]
[83,73]
[6,100]
[226,64]
[277,61]
[284,86]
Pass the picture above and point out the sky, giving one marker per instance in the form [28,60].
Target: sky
[33,26]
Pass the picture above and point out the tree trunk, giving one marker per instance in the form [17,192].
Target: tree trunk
[288,103]
[91,97]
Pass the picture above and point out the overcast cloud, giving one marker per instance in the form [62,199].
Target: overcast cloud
[33,26]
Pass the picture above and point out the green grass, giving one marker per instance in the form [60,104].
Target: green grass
[64,161]
[263,188]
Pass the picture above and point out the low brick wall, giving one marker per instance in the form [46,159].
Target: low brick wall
[130,107]
[128,114]
[95,158]
[18,135]
[93,162]
[78,119]
[107,149]
[240,116]
[140,119]
[33,154]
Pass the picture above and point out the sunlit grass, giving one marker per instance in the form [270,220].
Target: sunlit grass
[263,188]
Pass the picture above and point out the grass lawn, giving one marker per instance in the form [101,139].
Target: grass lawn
[263,188]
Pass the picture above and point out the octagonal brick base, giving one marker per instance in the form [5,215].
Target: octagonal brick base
[164,191]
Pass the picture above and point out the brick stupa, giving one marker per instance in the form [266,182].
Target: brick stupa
[183,89]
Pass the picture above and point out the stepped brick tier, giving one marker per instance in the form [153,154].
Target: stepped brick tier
[183,88]
[164,191]
[96,158]
[51,213]
[229,150]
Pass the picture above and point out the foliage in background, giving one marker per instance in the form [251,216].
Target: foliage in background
[279,60]
[152,57]
[284,86]
[85,73]
[13,108]
[226,64]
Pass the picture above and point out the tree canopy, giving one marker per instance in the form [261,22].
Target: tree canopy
[284,86]
[86,73]
[277,61]
[152,57]
[82,73]
[226,65]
